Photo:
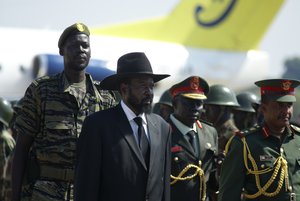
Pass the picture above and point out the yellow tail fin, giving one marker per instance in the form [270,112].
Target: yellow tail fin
[217,24]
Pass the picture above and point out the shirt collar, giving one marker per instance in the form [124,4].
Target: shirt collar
[266,131]
[65,85]
[130,114]
[181,127]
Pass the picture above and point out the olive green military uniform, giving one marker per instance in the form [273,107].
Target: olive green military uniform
[262,165]
[53,113]
[267,152]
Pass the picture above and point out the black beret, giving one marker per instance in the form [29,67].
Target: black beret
[72,30]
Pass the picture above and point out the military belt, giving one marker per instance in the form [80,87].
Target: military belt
[54,173]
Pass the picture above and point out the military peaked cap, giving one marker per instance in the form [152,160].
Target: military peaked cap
[280,90]
[193,87]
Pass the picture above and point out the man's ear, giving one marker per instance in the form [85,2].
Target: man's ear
[123,88]
[263,107]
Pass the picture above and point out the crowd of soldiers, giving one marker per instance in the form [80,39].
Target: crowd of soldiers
[219,145]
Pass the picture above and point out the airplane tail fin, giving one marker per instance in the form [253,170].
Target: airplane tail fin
[235,25]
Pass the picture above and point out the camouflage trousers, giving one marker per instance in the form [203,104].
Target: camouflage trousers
[43,190]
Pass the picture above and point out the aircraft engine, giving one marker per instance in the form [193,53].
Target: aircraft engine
[50,64]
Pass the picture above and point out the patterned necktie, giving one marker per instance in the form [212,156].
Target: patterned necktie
[194,141]
[142,138]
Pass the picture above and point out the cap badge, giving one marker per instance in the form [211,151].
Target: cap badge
[286,85]
[80,27]
[194,83]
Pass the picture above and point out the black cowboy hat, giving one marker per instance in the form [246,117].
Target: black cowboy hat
[133,64]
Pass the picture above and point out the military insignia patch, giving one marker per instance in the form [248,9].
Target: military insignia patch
[194,83]
[80,27]
[176,149]
[286,85]
[265,158]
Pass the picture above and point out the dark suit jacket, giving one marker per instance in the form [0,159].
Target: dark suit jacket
[183,154]
[110,165]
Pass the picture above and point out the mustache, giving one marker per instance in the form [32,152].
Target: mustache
[284,116]
[146,99]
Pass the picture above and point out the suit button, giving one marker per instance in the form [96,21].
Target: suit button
[147,198]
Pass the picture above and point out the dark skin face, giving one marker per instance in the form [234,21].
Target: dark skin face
[77,53]
[137,94]
[187,110]
[277,115]
[212,113]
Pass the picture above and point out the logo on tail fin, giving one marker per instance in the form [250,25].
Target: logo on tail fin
[199,9]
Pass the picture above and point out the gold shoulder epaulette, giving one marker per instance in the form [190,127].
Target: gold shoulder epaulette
[295,128]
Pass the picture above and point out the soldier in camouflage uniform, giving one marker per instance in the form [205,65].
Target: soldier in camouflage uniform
[263,162]
[218,110]
[49,124]
[7,145]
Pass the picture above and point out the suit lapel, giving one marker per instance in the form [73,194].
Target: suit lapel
[154,140]
[128,134]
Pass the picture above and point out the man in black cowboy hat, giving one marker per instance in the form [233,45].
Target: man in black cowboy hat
[120,158]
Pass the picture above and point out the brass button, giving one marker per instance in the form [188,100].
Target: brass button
[207,145]
[262,166]
[281,150]
[176,159]
[290,188]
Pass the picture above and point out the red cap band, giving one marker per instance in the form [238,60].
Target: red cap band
[177,91]
[276,90]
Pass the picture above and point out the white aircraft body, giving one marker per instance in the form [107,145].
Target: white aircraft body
[215,40]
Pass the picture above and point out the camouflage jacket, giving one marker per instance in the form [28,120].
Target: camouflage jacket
[53,117]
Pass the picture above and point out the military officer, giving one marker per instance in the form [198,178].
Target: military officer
[263,162]
[50,122]
[194,143]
